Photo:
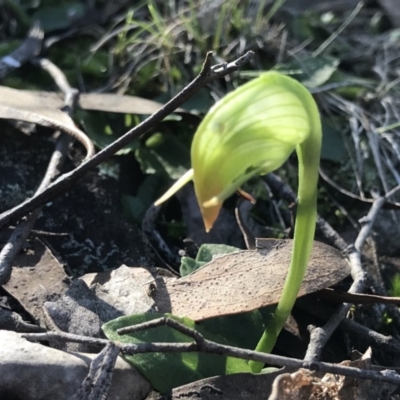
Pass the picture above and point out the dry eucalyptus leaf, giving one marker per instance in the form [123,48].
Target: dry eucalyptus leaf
[37,277]
[246,280]
[303,385]
[117,103]
[29,106]
[229,387]
[50,103]
[24,106]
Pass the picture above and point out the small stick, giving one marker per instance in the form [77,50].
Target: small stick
[320,335]
[98,380]
[208,346]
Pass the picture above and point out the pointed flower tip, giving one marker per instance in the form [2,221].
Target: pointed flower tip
[210,211]
[208,224]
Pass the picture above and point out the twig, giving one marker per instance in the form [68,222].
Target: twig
[285,192]
[357,298]
[320,335]
[371,338]
[366,336]
[29,48]
[197,336]
[207,75]
[70,96]
[98,381]
[70,93]
[204,345]
[368,223]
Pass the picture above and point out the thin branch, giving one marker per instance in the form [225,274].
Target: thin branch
[207,75]
[70,93]
[286,193]
[390,204]
[98,380]
[29,48]
[208,346]
[319,336]
[197,336]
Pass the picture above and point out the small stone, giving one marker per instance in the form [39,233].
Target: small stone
[34,371]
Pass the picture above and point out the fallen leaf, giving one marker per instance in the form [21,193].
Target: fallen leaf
[304,385]
[232,387]
[117,103]
[246,280]
[40,101]
[29,106]
[24,106]
[36,277]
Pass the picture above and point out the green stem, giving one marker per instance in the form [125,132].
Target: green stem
[308,157]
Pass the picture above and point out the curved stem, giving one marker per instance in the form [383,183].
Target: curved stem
[308,157]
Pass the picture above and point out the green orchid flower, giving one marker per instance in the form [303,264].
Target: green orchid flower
[252,131]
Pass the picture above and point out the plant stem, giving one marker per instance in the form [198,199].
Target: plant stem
[308,154]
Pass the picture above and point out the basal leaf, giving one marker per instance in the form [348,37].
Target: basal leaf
[204,255]
[168,370]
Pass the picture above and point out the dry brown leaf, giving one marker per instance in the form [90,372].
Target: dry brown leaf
[18,104]
[246,280]
[303,385]
[44,108]
[37,277]
[116,103]
[24,106]
[229,387]
[46,102]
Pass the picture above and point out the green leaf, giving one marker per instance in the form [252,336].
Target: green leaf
[134,207]
[166,371]
[208,250]
[242,330]
[188,265]
[98,127]
[163,152]
[204,255]
[96,64]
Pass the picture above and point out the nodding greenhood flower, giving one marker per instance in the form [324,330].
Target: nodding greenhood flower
[252,130]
